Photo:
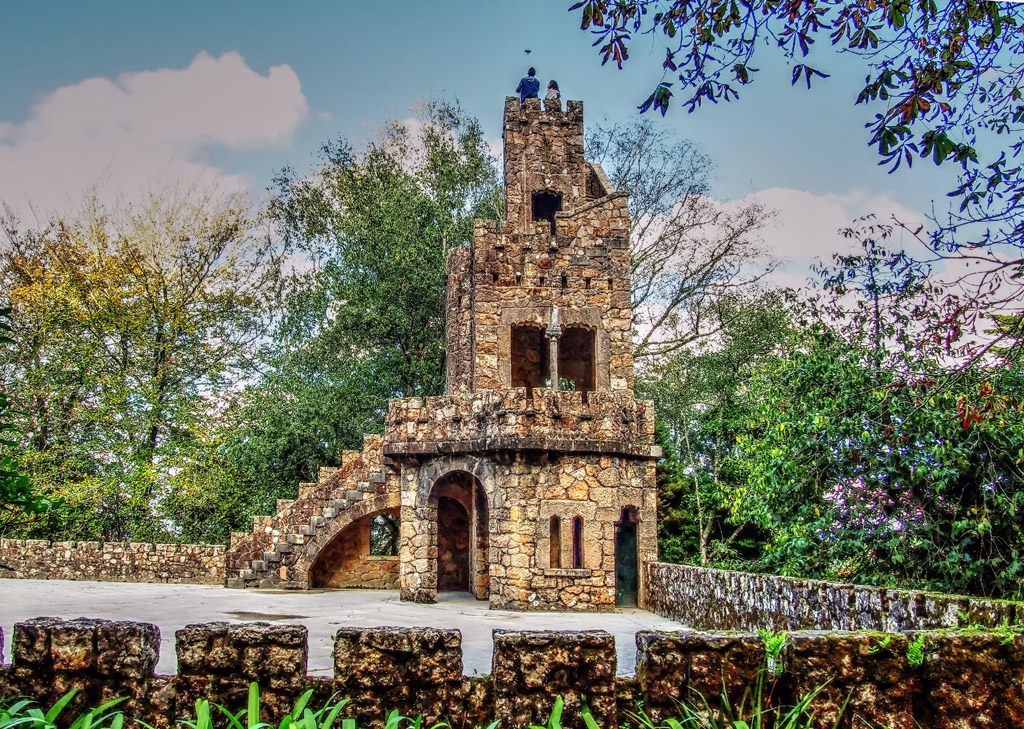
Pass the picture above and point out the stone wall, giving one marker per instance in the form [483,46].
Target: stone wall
[518,494]
[963,679]
[709,599]
[112,561]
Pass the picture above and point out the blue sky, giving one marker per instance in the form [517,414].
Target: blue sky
[128,91]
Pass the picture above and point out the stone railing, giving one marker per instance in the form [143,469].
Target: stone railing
[112,561]
[710,599]
[953,680]
[541,419]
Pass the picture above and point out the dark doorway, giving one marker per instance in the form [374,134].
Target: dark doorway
[452,546]
[545,205]
[576,358]
[626,573]
[529,357]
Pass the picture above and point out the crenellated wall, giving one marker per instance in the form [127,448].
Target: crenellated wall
[112,561]
[541,419]
[971,679]
[710,599]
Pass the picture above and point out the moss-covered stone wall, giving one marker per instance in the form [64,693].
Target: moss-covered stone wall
[710,599]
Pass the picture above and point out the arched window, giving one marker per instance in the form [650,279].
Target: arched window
[529,353]
[545,205]
[384,536]
[576,358]
[577,542]
[555,552]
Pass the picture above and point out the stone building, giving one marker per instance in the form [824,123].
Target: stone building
[530,483]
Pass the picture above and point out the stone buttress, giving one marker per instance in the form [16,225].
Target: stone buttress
[531,482]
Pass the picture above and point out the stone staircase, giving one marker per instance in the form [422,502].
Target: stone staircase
[278,551]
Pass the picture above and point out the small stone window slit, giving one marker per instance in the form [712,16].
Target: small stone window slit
[494,279]
[586,283]
[555,552]
[541,281]
[577,542]
[519,279]
[565,281]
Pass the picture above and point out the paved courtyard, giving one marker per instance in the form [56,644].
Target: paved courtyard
[321,611]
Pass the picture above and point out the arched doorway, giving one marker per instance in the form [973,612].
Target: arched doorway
[460,505]
[627,582]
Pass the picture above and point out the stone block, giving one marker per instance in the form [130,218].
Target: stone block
[531,668]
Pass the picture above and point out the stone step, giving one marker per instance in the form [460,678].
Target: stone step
[353,495]
[307,530]
[246,574]
[329,512]
[296,538]
[340,504]
[271,557]
[378,477]
[317,521]
[257,565]
[282,547]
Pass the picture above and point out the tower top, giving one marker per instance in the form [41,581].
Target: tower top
[545,170]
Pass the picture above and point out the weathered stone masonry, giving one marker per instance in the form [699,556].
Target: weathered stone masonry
[710,599]
[965,679]
[112,561]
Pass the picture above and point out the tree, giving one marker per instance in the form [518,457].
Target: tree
[689,251]
[17,497]
[362,318]
[945,76]
[874,458]
[701,398]
[131,320]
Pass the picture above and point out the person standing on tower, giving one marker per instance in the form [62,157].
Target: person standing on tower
[529,87]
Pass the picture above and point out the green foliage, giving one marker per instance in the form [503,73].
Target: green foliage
[703,405]
[915,651]
[25,713]
[16,494]
[129,322]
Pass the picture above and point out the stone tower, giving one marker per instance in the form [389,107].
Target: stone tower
[530,483]
[539,445]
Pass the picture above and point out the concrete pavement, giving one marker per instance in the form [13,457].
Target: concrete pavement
[321,611]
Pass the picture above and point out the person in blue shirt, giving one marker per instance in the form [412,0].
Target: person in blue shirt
[529,87]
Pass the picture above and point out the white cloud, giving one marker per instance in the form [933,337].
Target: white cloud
[807,226]
[142,125]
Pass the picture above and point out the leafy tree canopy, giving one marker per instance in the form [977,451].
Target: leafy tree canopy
[945,78]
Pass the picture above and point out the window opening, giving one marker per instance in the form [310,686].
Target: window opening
[529,353]
[555,553]
[577,542]
[586,283]
[541,280]
[383,536]
[545,205]
[519,279]
[494,278]
[576,359]
[565,281]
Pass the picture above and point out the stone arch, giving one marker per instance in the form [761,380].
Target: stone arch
[479,468]
[324,535]
[459,535]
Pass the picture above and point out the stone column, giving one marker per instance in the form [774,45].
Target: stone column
[553,332]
